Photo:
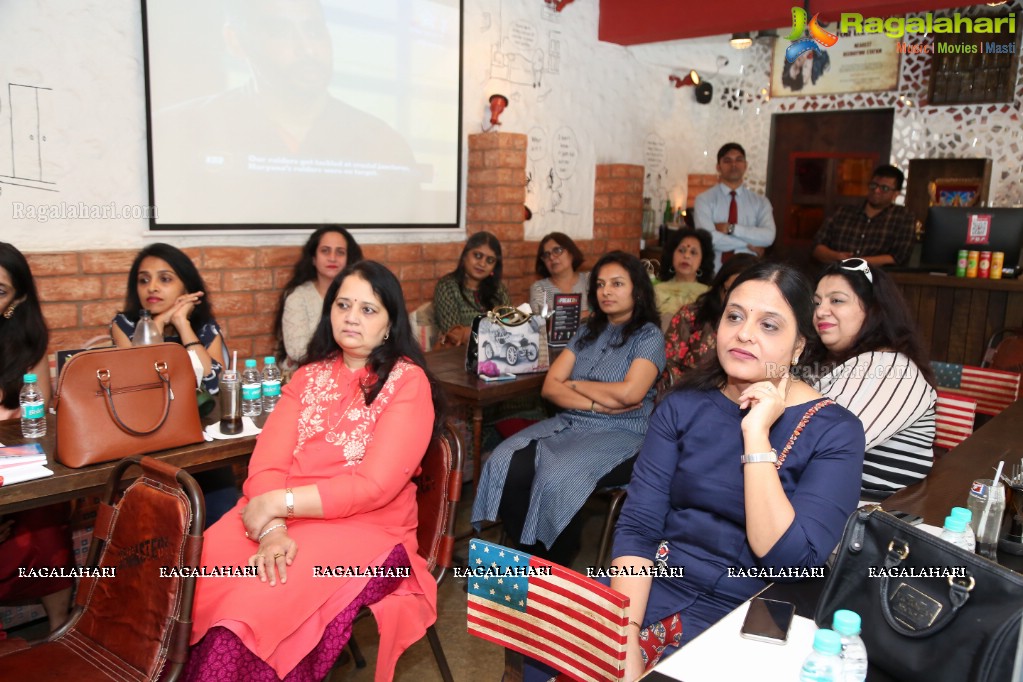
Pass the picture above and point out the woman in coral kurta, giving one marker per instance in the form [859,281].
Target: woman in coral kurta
[329,486]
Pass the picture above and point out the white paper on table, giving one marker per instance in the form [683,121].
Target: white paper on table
[23,472]
[249,428]
[720,653]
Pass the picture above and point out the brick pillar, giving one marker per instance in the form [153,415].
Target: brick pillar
[495,201]
[618,207]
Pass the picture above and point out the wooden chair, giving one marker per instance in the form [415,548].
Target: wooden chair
[439,490]
[1005,350]
[133,625]
[955,417]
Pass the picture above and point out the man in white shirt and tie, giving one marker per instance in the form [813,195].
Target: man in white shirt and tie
[738,219]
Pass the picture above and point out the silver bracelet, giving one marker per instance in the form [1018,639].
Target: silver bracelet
[270,530]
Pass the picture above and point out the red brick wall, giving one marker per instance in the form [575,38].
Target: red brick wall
[82,291]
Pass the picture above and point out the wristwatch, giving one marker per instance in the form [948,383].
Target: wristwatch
[731,228]
[755,457]
[289,503]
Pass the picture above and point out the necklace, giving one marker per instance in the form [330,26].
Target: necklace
[358,394]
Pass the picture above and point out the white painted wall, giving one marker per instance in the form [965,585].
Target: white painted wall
[581,101]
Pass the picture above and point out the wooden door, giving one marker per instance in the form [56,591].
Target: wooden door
[818,162]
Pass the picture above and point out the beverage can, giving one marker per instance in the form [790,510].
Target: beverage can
[997,261]
[984,265]
[972,259]
[961,259]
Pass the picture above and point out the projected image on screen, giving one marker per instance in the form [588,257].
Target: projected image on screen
[300,112]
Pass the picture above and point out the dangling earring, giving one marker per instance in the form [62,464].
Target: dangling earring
[387,334]
[795,360]
[699,272]
[9,313]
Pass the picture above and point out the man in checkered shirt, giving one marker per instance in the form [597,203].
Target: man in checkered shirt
[878,230]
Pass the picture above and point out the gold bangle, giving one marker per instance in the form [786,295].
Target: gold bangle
[593,405]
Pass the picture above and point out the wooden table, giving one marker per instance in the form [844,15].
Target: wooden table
[949,480]
[68,484]
[465,388]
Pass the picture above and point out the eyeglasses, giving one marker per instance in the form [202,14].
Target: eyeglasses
[480,256]
[858,265]
[875,187]
[556,251]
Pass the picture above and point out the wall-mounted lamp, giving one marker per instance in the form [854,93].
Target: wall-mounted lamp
[691,78]
[498,103]
[741,41]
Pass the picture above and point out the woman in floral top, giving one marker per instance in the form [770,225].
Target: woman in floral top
[690,334]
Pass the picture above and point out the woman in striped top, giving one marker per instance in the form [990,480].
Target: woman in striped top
[875,367]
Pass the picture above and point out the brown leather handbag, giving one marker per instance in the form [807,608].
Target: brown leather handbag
[116,402]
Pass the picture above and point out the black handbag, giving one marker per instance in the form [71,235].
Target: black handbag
[931,611]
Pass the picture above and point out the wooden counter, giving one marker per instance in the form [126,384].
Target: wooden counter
[957,316]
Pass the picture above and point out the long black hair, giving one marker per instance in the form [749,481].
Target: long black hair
[23,335]
[305,271]
[675,237]
[489,287]
[186,271]
[711,303]
[644,308]
[400,341]
[888,324]
[795,289]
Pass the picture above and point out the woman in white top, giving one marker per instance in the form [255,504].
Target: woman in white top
[876,368]
[325,254]
[558,260]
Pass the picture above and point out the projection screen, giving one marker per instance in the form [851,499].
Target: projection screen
[294,113]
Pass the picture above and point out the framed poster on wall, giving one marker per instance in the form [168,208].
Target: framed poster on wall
[853,64]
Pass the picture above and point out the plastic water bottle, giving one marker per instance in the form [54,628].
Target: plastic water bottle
[252,390]
[271,384]
[824,663]
[854,653]
[33,409]
[955,532]
[967,516]
[146,333]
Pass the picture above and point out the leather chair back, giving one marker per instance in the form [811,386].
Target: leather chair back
[440,489]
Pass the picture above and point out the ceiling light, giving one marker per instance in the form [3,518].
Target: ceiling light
[741,41]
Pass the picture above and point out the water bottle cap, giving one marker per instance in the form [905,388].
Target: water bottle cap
[961,513]
[251,362]
[29,378]
[846,622]
[827,642]
[269,360]
[954,524]
[144,313]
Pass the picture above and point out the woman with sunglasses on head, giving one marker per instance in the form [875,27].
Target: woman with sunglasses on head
[537,480]
[472,289]
[326,253]
[558,260]
[873,364]
[742,466]
[691,333]
[687,268]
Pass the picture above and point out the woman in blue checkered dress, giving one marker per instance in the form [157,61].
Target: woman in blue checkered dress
[537,480]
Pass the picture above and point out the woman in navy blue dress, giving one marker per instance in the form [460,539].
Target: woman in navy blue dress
[720,488]
[538,480]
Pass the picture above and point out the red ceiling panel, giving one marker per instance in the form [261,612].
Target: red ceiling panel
[631,22]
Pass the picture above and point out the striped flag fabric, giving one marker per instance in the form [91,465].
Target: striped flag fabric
[955,417]
[547,612]
[994,389]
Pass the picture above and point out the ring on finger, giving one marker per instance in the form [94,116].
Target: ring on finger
[278,555]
